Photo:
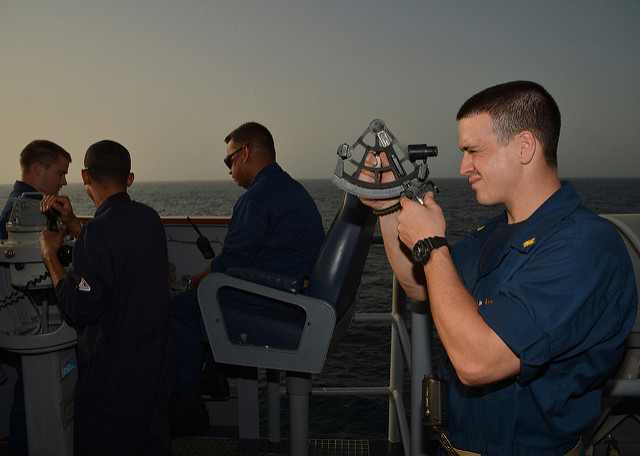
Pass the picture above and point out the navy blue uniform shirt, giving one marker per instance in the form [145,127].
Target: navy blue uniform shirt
[562,295]
[275,226]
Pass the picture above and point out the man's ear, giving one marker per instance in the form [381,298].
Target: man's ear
[528,146]
[36,168]
[130,179]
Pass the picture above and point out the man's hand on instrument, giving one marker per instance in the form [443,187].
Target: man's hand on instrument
[60,203]
[417,221]
[386,176]
[50,243]
[63,205]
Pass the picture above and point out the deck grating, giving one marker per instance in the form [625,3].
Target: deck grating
[339,447]
[205,446]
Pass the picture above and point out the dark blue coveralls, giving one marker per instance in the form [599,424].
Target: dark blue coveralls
[116,295]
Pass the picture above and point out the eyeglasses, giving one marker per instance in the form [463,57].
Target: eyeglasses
[228,160]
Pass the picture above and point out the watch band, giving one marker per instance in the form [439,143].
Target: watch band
[436,242]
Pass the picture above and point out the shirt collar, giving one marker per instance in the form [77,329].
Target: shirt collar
[114,200]
[22,187]
[270,169]
[558,206]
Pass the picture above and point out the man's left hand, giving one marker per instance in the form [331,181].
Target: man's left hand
[417,222]
[50,243]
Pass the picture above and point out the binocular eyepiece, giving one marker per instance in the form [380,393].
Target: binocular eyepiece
[52,219]
[65,252]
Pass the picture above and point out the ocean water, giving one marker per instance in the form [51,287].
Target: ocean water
[362,357]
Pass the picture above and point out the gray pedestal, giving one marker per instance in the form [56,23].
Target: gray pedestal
[49,371]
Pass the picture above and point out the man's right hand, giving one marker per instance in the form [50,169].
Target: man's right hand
[195,281]
[62,204]
[49,245]
[384,177]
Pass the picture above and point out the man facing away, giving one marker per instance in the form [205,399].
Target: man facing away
[116,295]
[275,226]
[43,169]
[534,308]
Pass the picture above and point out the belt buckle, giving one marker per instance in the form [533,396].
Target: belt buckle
[446,444]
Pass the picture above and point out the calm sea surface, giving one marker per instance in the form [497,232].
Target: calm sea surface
[363,355]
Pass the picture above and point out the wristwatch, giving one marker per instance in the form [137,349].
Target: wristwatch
[422,250]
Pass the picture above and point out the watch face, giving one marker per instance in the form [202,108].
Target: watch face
[420,252]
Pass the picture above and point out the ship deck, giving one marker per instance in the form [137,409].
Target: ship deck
[202,446]
[626,436]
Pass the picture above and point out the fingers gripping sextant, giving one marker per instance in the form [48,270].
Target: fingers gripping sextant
[407,163]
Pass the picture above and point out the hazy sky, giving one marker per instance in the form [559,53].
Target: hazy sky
[170,79]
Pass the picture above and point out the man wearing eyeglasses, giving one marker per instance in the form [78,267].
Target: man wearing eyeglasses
[275,226]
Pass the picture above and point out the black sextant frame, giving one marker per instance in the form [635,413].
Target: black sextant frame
[408,164]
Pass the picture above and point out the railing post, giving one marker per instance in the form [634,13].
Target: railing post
[421,337]
[396,368]
[298,391]
[273,409]
[248,411]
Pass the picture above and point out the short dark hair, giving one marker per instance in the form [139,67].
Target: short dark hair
[253,132]
[108,161]
[42,151]
[517,106]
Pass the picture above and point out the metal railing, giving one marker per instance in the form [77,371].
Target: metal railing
[416,357]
